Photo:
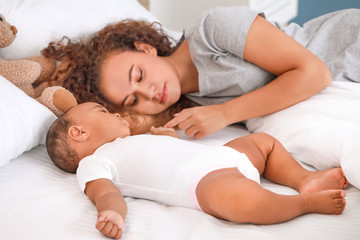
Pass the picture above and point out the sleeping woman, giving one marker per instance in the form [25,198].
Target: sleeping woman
[230,66]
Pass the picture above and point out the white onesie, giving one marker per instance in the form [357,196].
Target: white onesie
[160,168]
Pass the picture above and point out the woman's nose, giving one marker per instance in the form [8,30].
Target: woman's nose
[147,92]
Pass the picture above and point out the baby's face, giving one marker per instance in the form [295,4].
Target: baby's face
[99,122]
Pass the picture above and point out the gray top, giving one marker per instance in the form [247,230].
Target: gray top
[217,43]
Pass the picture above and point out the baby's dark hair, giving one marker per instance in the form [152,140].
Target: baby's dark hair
[58,147]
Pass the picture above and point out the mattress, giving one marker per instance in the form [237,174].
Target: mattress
[39,201]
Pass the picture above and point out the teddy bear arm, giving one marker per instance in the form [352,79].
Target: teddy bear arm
[20,71]
[48,67]
[64,100]
[57,99]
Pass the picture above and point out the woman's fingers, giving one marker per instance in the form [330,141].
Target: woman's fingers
[178,118]
[191,131]
[199,121]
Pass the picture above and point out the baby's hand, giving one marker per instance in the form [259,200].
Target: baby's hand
[110,223]
[164,131]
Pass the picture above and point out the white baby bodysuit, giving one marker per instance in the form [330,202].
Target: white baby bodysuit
[160,168]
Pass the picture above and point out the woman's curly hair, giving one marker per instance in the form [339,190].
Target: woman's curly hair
[82,60]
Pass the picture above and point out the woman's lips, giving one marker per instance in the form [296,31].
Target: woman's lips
[164,94]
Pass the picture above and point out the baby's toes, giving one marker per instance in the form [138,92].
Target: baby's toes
[339,194]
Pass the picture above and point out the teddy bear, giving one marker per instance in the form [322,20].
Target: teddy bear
[32,75]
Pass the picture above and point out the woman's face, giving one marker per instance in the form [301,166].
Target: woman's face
[139,81]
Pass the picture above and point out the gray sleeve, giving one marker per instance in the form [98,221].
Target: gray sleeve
[224,29]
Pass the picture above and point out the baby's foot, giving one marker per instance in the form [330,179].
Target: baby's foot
[326,202]
[323,180]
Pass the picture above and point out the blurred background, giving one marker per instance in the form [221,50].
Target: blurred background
[309,9]
[177,14]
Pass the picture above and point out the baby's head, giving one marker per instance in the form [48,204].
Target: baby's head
[80,131]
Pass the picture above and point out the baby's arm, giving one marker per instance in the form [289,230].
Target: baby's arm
[110,204]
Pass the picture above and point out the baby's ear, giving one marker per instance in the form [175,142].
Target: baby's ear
[78,133]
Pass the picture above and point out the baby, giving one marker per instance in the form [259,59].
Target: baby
[223,181]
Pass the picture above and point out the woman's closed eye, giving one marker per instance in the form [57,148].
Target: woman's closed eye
[139,78]
[136,74]
[135,101]
[140,75]
[135,77]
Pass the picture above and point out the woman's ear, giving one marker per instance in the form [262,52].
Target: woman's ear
[78,133]
[146,48]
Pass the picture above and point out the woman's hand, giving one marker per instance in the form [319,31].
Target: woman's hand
[164,131]
[200,121]
[110,223]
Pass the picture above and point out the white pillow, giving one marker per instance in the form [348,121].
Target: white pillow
[24,122]
[323,131]
[41,21]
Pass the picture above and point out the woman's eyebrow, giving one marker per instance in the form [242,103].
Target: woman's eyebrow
[130,77]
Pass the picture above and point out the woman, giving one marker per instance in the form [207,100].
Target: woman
[233,63]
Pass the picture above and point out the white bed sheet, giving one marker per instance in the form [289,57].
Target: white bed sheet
[39,201]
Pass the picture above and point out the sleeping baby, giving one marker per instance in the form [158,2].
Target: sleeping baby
[223,181]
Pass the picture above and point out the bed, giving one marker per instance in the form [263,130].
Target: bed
[39,201]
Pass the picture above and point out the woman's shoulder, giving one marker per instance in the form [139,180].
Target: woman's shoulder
[220,18]
[220,14]
[228,9]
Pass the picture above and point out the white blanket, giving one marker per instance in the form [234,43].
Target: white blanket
[323,131]
[39,201]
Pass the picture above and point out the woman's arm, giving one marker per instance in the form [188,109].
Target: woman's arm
[110,204]
[300,73]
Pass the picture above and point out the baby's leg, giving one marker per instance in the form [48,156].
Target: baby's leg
[227,194]
[276,164]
